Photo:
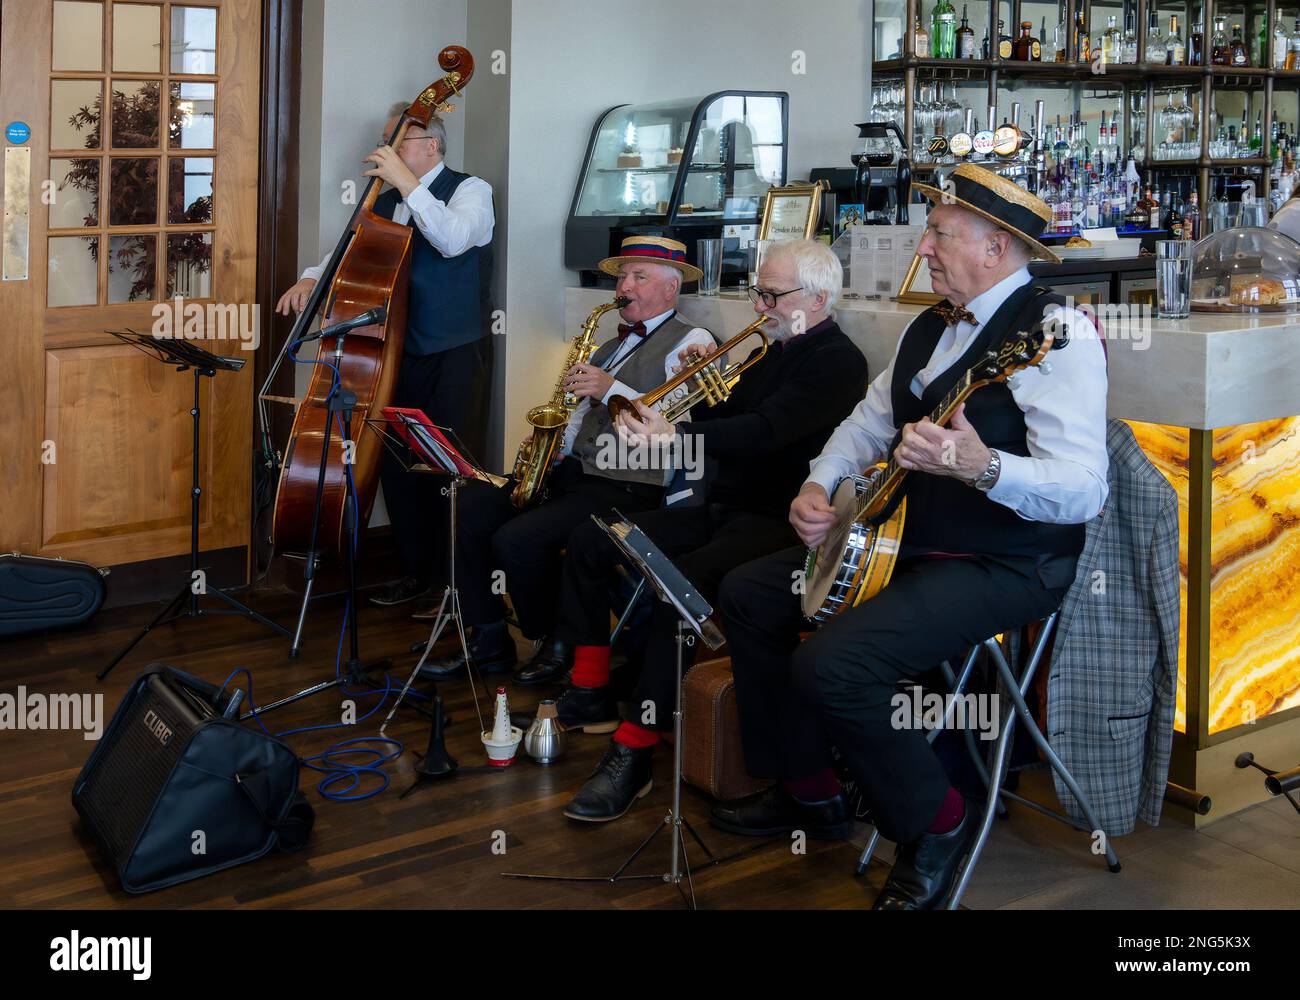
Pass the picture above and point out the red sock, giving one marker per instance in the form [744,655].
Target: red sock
[950,813]
[629,734]
[591,666]
[815,788]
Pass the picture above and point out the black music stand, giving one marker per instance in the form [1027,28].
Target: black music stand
[694,621]
[204,364]
[424,448]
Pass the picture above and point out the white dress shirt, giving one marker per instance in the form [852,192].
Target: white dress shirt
[466,221]
[697,335]
[1063,480]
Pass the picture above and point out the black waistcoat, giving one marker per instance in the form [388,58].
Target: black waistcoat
[945,514]
[450,302]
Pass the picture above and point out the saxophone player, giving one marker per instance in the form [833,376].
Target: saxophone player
[493,534]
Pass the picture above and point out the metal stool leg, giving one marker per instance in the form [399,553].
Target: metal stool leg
[1016,693]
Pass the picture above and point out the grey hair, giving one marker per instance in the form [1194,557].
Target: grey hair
[816,267]
[435,130]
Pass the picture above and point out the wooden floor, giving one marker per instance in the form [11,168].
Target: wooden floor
[431,849]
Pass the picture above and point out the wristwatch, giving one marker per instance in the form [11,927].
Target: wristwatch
[985,480]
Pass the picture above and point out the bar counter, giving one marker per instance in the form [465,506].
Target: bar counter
[1215,403]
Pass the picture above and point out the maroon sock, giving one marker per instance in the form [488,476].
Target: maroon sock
[950,813]
[814,788]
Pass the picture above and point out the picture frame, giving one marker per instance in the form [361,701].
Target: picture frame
[916,289]
[792,212]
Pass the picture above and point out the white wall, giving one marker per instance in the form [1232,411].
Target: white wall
[571,60]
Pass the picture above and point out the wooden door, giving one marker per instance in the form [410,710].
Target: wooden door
[138,190]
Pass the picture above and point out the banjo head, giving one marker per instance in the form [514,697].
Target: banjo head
[831,568]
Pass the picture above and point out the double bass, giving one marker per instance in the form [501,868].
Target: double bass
[370,267]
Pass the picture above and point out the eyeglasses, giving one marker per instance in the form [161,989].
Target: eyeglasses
[769,298]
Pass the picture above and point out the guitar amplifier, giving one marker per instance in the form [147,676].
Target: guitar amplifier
[174,790]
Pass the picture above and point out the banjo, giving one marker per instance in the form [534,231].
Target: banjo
[856,559]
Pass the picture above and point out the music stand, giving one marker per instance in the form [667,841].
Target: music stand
[693,621]
[425,448]
[186,356]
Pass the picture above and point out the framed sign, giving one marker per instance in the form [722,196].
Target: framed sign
[792,213]
[916,288]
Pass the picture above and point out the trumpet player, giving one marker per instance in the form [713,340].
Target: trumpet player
[763,437]
[493,534]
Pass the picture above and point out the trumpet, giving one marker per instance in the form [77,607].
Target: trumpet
[712,384]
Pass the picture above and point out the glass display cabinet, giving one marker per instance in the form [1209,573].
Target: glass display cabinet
[689,170]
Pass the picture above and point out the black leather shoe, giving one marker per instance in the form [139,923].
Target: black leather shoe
[926,870]
[589,710]
[621,777]
[493,653]
[776,811]
[552,660]
[400,592]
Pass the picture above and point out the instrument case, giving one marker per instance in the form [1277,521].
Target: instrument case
[711,755]
[38,593]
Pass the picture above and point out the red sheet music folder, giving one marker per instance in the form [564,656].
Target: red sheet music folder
[429,442]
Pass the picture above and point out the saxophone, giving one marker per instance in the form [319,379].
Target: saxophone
[533,462]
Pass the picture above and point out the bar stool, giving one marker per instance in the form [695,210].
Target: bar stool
[1014,688]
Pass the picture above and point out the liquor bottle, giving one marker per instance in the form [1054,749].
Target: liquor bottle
[984,45]
[1263,43]
[1196,51]
[1293,48]
[1005,46]
[1175,53]
[1155,41]
[1192,220]
[1026,44]
[1153,209]
[1082,50]
[1257,137]
[920,39]
[1219,55]
[1129,41]
[1061,35]
[1238,55]
[1110,39]
[943,30]
[1174,221]
[1042,36]
[965,38]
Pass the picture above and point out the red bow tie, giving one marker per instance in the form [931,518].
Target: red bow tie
[636,328]
[952,314]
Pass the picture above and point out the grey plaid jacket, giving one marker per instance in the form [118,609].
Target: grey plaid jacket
[1114,669]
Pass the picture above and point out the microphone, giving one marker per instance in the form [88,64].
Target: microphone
[367,318]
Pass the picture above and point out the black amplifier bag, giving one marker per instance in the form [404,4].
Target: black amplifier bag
[172,793]
[38,593]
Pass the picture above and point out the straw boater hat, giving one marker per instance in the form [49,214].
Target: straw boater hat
[656,249]
[999,200]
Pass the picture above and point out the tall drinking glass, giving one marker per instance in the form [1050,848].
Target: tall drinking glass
[1173,278]
[708,256]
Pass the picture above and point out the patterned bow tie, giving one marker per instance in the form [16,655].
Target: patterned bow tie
[635,328]
[952,314]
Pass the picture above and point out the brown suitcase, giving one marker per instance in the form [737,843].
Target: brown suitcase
[711,755]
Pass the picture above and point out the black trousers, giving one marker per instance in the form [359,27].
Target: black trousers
[705,542]
[526,547]
[453,387]
[838,685]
